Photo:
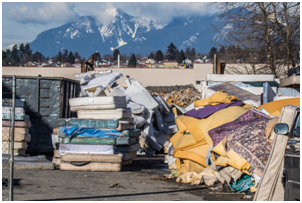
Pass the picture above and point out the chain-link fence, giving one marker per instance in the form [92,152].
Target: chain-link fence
[8,118]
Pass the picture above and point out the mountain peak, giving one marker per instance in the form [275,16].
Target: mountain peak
[115,11]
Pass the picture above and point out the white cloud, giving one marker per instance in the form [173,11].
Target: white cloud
[46,13]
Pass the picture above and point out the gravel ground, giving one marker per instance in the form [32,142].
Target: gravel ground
[136,182]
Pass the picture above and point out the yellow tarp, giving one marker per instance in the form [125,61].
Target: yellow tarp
[218,97]
[275,107]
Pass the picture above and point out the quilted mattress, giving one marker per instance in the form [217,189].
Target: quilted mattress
[85,149]
[20,134]
[105,114]
[21,124]
[98,101]
[96,123]
[18,116]
[97,141]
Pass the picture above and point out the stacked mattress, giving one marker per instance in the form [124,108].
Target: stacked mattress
[21,129]
[102,138]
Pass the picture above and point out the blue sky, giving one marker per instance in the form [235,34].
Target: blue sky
[23,21]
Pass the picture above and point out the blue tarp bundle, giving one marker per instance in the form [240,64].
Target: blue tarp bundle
[242,184]
[75,131]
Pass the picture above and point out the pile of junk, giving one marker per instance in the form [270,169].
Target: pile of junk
[228,136]
[223,134]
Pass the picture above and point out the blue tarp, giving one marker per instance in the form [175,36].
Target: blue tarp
[89,132]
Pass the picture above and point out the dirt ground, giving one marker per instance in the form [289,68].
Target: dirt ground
[136,182]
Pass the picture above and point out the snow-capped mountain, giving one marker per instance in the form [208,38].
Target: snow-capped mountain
[127,33]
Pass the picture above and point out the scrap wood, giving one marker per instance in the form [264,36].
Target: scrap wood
[182,98]
[115,185]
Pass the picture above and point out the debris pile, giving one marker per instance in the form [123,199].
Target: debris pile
[181,98]
[21,131]
[111,119]
[100,138]
[227,136]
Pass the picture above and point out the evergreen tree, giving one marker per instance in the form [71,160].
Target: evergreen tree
[28,50]
[97,56]
[159,56]
[176,53]
[14,57]
[71,58]
[115,54]
[4,54]
[180,57]
[37,56]
[59,57]
[171,52]
[28,53]
[65,55]
[22,52]
[212,52]
[132,61]
[222,50]
[192,54]
[151,56]
[187,53]
[77,56]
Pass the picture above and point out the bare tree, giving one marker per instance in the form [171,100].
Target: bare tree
[259,30]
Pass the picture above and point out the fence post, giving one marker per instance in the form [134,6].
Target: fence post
[11,160]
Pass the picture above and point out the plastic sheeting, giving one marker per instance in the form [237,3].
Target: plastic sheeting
[140,94]
[76,131]
[105,81]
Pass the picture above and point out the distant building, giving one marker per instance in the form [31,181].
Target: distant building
[199,61]
[187,61]
[29,64]
[78,65]
[66,64]
[149,61]
[170,63]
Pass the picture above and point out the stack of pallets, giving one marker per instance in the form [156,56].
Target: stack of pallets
[21,130]
[102,138]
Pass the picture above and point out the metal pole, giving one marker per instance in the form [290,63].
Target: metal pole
[11,160]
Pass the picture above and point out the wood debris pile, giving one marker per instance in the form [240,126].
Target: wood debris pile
[182,98]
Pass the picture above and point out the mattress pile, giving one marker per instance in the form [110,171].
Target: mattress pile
[21,131]
[149,113]
[101,138]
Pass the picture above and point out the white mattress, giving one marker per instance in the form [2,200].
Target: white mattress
[85,101]
[105,114]
[239,78]
[9,109]
[98,106]
[85,149]
[140,94]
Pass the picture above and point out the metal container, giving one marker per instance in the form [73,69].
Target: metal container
[46,101]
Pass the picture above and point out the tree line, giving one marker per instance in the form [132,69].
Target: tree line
[23,53]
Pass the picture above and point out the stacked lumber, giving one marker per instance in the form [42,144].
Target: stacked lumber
[21,127]
[102,138]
